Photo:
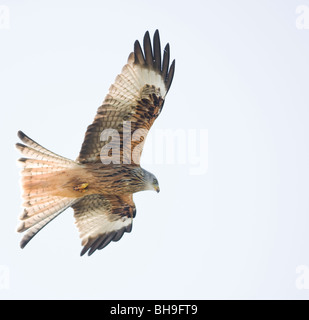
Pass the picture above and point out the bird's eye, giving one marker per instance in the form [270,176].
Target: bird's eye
[155,181]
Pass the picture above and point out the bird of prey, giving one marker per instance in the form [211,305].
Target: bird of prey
[99,185]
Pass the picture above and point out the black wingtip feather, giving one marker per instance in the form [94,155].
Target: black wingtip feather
[22,244]
[170,75]
[118,235]
[166,61]
[139,56]
[95,245]
[107,240]
[157,51]
[87,246]
[21,135]
[151,57]
[148,50]
[102,241]
[20,146]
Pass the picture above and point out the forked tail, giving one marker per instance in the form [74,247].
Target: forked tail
[40,167]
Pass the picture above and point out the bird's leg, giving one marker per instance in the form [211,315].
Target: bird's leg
[81,187]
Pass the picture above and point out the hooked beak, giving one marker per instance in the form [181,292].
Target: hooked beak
[157,189]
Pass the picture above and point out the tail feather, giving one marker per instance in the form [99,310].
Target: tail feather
[36,215]
[35,164]
[38,155]
[48,204]
[34,230]
[38,148]
[42,200]
[41,170]
[30,201]
[39,226]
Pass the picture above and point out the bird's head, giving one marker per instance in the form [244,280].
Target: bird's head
[147,180]
[155,185]
[151,182]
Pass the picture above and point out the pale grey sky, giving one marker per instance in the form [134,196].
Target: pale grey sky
[239,230]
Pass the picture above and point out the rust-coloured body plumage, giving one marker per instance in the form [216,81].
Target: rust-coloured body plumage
[107,180]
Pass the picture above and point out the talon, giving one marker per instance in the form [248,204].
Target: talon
[81,187]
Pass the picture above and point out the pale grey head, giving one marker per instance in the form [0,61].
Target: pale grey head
[144,180]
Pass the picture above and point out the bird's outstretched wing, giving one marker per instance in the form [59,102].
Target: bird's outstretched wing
[133,103]
[101,220]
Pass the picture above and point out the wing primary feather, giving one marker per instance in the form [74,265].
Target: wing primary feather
[157,51]
[129,228]
[139,57]
[96,244]
[101,242]
[166,61]
[107,240]
[148,50]
[118,235]
[170,76]
[87,246]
